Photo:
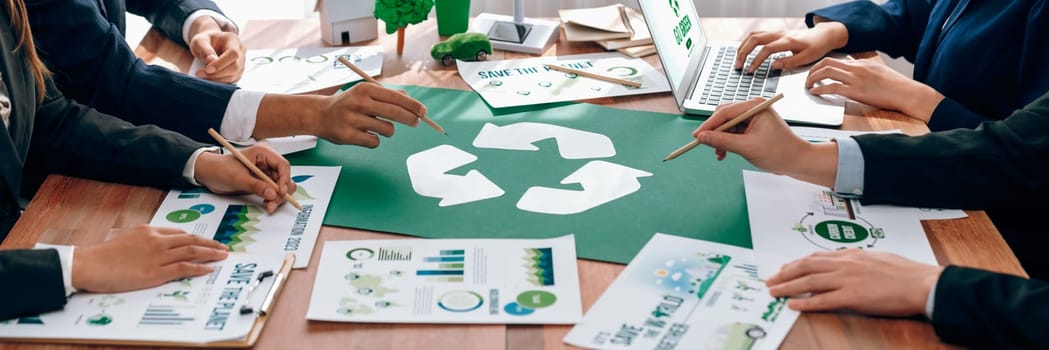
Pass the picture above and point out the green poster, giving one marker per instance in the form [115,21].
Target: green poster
[594,171]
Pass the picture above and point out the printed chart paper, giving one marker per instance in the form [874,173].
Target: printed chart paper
[302,70]
[790,219]
[683,293]
[242,224]
[516,281]
[197,309]
[523,82]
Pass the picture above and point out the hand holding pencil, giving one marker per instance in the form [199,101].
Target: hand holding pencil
[258,170]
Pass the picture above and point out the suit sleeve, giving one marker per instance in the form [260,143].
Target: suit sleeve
[169,16]
[895,27]
[73,139]
[32,282]
[94,65]
[984,168]
[986,310]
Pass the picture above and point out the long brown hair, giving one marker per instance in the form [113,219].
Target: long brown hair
[20,24]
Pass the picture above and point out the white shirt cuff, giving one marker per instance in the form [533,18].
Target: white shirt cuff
[189,171]
[929,303]
[238,123]
[849,180]
[65,259]
[224,22]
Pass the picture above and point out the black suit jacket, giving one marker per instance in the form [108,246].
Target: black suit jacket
[1002,166]
[78,141]
[82,41]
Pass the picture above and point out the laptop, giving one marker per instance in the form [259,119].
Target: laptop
[702,73]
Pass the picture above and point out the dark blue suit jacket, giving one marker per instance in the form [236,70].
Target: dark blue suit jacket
[1006,168]
[82,42]
[988,60]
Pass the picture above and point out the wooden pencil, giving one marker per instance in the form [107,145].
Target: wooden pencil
[251,166]
[369,79]
[630,83]
[728,125]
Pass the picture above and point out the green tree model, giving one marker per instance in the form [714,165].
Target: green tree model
[399,14]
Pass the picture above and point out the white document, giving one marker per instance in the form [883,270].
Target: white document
[291,144]
[790,219]
[513,281]
[523,82]
[683,293]
[242,224]
[302,70]
[200,309]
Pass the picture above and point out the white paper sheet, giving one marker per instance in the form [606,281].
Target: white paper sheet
[790,219]
[826,135]
[199,309]
[514,281]
[682,293]
[523,82]
[243,225]
[302,70]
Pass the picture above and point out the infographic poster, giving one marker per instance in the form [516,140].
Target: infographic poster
[194,309]
[241,222]
[522,82]
[790,219]
[683,293]
[514,281]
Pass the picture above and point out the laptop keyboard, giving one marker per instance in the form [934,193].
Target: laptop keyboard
[726,84]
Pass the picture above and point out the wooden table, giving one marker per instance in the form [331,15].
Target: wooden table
[70,210]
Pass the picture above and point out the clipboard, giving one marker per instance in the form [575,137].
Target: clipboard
[249,340]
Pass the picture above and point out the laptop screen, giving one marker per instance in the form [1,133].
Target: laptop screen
[677,34]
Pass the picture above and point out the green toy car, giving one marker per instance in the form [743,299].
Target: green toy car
[463,46]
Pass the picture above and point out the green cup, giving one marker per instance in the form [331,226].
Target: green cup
[453,16]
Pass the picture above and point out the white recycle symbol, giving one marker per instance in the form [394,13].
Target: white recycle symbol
[602,181]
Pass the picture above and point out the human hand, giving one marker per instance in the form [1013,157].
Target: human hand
[357,115]
[806,46]
[875,84]
[224,174]
[143,257]
[874,283]
[222,52]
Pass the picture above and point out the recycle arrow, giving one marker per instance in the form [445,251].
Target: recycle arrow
[602,182]
[427,170]
[571,143]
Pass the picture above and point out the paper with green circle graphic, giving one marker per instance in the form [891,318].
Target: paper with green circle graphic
[241,223]
[694,195]
[791,219]
[521,82]
[513,281]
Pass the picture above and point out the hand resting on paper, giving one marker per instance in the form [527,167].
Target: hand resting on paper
[143,257]
[224,174]
[875,283]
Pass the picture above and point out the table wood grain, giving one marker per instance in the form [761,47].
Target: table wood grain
[76,211]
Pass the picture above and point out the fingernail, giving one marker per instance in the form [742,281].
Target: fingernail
[284,188]
[777,65]
[268,193]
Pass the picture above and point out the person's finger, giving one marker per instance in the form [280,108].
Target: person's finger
[808,283]
[193,253]
[167,230]
[225,60]
[832,73]
[765,52]
[832,89]
[179,270]
[398,99]
[821,302]
[749,43]
[390,112]
[379,126]
[833,253]
[202,48]
[792,61]
[801,267]
[175,241]
[721,140]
